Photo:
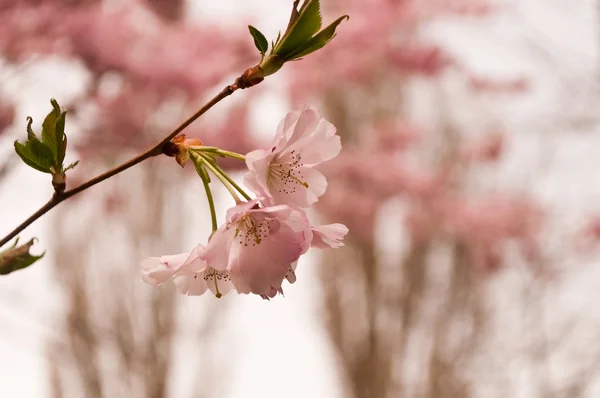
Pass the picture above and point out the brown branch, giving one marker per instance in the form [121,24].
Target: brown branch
[156,150]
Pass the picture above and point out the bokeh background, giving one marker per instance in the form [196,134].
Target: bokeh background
[468,180]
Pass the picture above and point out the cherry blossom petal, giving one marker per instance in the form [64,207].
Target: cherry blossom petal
[290,275]
[257,267]
[286,124]
[190,285]
[266,241]
[217,249]
[322,145]
[157,270]
[256,180]
[328,236]
[305,125]
[195,261]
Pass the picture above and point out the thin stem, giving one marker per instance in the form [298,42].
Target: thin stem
[217,174]
[211,204]
[221,152]
[154,151]
[233,183]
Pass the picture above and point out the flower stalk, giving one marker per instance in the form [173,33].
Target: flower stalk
[211,203]
[232,182]
[210,164]
[219,151]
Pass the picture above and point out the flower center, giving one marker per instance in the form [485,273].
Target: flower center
[252,231]
[286,175]
[211,275]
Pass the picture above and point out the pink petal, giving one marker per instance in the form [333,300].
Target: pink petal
[278,211]
[217,249]
[259,266]
[258,185]
[290,275]
[319,146]
[235,212]
[190,285]
[255,156]
[258,165]
[330,235]
[195,261]
[288,122]
[272,294]
[157,270]
[306,124]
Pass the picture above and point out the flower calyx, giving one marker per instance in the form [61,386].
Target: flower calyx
[178,148]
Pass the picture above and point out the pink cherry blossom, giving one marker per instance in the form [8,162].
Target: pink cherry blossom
[253,252]
[283,173]
[190,273]
[258,246]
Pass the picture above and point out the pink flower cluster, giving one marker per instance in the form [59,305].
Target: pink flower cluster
[262,239]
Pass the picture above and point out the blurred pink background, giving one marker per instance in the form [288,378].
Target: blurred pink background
[468,179]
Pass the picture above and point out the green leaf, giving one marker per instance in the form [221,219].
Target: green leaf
[276,42]
[319,40]
[304,23]
[61,139]
[25,155]
[41,152]
[48,154]
[48,128]
[30,134]
[294,16]
[17,257]
[53,132]
[71,166]
[35,154]
[260,41]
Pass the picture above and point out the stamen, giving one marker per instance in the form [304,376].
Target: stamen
[301,182]
[218,295]
[287,173]
[252,231]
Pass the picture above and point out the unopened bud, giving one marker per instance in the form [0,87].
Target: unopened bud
[250,77]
